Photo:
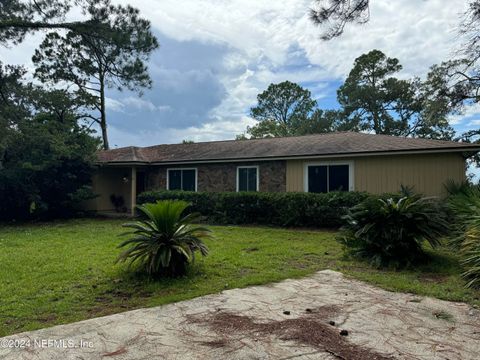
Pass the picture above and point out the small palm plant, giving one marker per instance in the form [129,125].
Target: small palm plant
[471,253]
[465,205]
[164,242]
[391,232]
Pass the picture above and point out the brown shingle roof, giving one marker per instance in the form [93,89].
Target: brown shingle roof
[340,143]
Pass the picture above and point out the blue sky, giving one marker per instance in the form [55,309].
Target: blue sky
[217,55]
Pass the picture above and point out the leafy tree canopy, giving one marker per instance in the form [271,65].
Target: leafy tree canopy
[21,17]
[371,99]
[46,160]
[324,121]
[280,108]
[14,104]
[47,168]
[287,109]
[380,102]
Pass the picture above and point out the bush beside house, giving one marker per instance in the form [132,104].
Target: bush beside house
[46,168]
[279,209]
[464,203]
[391,232]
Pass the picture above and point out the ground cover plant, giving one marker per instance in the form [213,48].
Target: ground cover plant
[65,271]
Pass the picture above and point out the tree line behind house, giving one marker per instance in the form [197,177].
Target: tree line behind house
[372,99]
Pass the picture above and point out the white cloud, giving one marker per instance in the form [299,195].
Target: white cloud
[130,102]
[474,122]
[467,115]
[419,33]
[114,105]
[138,103]
[217,130]
[22,54]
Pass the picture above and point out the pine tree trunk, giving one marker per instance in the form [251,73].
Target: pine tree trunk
[103,115]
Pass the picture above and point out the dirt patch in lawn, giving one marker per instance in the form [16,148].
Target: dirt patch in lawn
[119,294]
[432,278]
[314,329]
[47,318]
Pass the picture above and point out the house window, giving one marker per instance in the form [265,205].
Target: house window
[326,177]
[182,179]
[247,178]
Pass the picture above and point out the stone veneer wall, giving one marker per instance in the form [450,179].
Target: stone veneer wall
[156,178]
[223,176]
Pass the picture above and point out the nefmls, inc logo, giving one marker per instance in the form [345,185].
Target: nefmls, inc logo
[52,343]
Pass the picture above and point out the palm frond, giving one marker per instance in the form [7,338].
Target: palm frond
[164,242]
[465,207]
[390,231]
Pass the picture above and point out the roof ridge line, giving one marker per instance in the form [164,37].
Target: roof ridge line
[259,139]
[140,148]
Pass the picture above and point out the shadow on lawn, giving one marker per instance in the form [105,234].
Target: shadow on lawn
[132,283]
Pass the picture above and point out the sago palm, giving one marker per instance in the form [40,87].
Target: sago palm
[391,232]
[465,205]
[470,252]
[165,241]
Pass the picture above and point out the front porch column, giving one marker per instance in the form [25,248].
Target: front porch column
[133,192]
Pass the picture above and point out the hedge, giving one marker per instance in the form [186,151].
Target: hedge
[280,209]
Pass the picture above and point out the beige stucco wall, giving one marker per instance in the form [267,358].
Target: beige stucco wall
[379,174]
[108,181]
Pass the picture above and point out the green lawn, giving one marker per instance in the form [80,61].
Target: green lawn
[62,272]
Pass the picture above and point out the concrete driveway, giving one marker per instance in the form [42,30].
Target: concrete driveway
[324,316]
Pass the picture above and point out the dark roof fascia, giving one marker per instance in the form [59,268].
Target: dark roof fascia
[122,163]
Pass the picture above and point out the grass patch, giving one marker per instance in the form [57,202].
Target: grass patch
[62,272]
[443,315]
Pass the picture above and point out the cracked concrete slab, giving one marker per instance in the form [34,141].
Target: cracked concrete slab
[395,325]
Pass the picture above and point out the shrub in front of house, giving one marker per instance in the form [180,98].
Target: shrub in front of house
[164,241]
[392,231]
[278,209]
[465,240]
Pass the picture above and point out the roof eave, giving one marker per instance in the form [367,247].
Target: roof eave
[122,163]
[466,151]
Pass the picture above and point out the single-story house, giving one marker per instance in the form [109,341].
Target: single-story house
[345,161]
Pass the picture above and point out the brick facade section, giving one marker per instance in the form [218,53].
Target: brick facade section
[156,178]
[216,177]
[223,176]
[273,176]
